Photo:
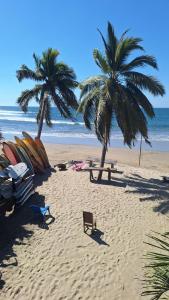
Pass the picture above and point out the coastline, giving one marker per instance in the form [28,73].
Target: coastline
[64,131]
[149,159]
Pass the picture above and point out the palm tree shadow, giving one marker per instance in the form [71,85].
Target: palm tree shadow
[96,235]
[151,190]
[114,182]
[2,282]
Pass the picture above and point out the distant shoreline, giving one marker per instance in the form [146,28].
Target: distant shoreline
[150,160]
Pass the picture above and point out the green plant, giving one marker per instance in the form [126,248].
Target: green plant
[156,283]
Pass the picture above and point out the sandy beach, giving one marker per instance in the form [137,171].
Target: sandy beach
[63,263]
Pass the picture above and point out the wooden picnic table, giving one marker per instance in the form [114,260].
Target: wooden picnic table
[108,170]
[111,162]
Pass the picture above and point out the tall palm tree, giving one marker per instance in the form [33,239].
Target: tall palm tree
[55,83]
[119,91]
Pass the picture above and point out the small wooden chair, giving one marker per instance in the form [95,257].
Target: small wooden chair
[88,221]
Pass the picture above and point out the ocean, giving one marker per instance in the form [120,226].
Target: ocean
[13,121]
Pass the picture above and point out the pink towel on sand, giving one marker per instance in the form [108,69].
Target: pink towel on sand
[79,166]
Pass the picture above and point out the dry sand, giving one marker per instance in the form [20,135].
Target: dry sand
[63,262]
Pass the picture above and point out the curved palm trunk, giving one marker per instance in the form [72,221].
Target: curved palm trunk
[41,119]
[140,151]
[104,150]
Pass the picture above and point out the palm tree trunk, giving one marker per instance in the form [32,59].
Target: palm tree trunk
[140,151]
[104,150]
[41,119]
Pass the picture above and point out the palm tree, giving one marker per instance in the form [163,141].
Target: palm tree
[55,83]
[156,283]
[119,91]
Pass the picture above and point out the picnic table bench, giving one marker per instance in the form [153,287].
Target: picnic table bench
[108,170]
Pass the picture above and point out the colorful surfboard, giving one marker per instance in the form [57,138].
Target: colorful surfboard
[9,153]
[25,158]
[41,146]
[15,151]
[38,150]
[35,164]
[33,152]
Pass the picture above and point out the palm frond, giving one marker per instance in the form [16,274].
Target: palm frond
[157,285]
[101,61]
[156,282]
[130,117]
[62,107]
[68,95]
[25,73]
[48,61]
[125,48]
[123,35]
[91,83]
[148,83]
[140,61]
[63,71]
[88,107]
[111,41]
[110,45]
[27,95]
[141,98]
[37,61]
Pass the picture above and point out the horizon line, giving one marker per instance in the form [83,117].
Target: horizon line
[55,106]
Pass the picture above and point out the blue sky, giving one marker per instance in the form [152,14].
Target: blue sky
[71,27]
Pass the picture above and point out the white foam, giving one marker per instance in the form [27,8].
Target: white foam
[33,120]
[10,112]
[54,134]
[115,136]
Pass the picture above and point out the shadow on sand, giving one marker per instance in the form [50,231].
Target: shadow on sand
[96,235]
[13,230]
[151,189]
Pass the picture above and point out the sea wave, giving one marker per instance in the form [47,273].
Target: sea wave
[80,135]
[33,120]
[11,112]
[53,134]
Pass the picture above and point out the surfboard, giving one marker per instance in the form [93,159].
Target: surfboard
[35,147]
[5,158]
[33,152]
[41,146]
[22,188]
[30,191]
[35,164]
[3,161]
[9,153]
[15,151]
[25,158]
